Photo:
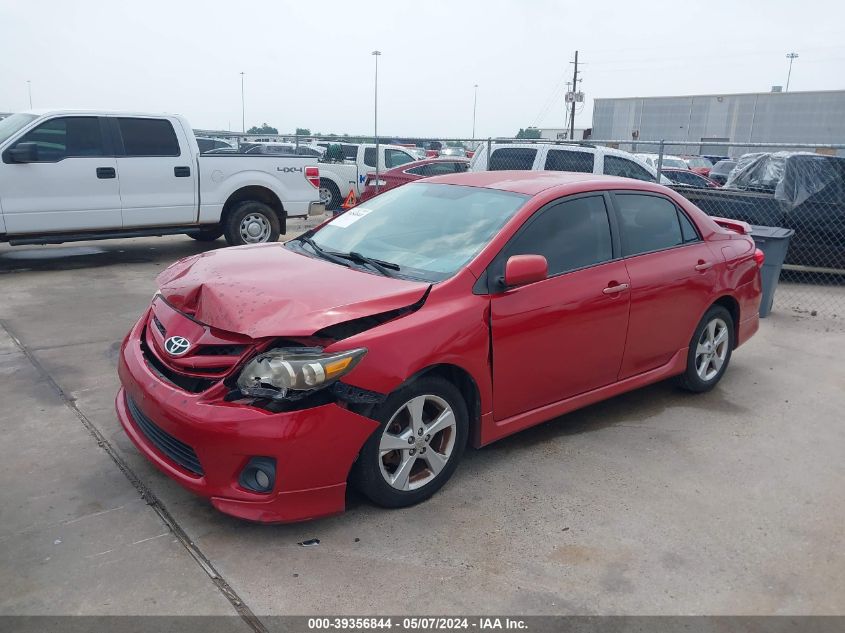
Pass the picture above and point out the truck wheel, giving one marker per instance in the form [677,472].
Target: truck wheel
[207,234]
[330,194]
[252,222]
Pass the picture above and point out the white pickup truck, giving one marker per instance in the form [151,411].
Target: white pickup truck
[343,174]
[71,175]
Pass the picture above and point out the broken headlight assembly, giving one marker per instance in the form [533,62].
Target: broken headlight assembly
[292,373]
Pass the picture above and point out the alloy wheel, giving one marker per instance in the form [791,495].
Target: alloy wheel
[712,349]
[417,442]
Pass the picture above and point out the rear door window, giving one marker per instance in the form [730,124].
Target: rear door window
[512,158]
[618,166]
[148,137]
[567,160]
[649,223]
[370,156]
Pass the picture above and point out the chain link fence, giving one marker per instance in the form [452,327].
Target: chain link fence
[799,187]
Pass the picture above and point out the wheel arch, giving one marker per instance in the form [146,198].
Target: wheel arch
[254,192]
[731,305]
[468,387]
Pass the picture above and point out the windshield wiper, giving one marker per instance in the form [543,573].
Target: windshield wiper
[385,268]
[329,255]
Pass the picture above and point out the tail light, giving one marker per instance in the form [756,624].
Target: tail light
[759,257]
[312,175]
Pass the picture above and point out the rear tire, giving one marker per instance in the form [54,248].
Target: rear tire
[330,194]
[709,351]
[421,438]
[252,222]
[207,234]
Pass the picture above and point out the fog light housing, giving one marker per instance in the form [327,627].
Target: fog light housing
[259,475]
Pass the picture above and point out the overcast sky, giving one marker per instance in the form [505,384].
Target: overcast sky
[308,62]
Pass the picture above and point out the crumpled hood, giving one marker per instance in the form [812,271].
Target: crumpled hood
[268,290]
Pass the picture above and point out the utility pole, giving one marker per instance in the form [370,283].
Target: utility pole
[791,57]
[474,104]
[572,105]
[376,54]
[29,91]
[243,111]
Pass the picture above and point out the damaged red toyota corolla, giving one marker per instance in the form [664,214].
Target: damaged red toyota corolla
[454,310]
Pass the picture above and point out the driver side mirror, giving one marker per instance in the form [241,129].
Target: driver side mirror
[525,269]
[24,153]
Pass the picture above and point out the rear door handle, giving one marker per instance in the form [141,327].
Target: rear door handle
[703,265]
[182,172]
[106,172]
[610,290]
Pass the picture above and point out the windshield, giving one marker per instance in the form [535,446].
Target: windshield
[428,230]
[675,163]
[13,123]
[696,162]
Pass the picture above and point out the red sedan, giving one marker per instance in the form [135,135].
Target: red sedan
[412,171]
[450,312]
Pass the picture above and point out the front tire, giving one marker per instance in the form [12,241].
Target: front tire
[709,351]
[417,447]
[252,222]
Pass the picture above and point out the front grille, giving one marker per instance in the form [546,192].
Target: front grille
[187,383]
[176,450]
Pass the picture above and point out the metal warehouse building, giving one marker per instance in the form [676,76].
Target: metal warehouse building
[764,117]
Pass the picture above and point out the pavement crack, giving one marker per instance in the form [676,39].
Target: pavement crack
[148,495]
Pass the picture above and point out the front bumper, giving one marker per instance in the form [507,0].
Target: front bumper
[313,448]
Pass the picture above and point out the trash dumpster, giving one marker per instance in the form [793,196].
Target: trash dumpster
[773,241]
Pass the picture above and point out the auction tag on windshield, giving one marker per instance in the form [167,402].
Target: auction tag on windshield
[350,217]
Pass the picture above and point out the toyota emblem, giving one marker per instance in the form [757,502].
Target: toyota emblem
[177,345]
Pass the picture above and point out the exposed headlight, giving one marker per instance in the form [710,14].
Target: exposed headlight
[276,373]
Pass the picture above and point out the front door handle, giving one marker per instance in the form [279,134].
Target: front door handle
[106,172]
[612,290]
[182,172]
[702,265]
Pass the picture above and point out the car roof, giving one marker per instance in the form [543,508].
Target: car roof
[534,182]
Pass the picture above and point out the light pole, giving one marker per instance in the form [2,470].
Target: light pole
[376,54]
[791,57]
[29,91]
[474,104]
[243,111]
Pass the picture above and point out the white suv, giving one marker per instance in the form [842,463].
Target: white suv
[587,159]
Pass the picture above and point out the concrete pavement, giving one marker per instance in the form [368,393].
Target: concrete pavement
[655,502]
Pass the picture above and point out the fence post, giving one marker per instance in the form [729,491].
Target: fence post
[659,160]
[297,143]
[489,151]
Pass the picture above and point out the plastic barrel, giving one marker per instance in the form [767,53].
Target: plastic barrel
[774,242]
